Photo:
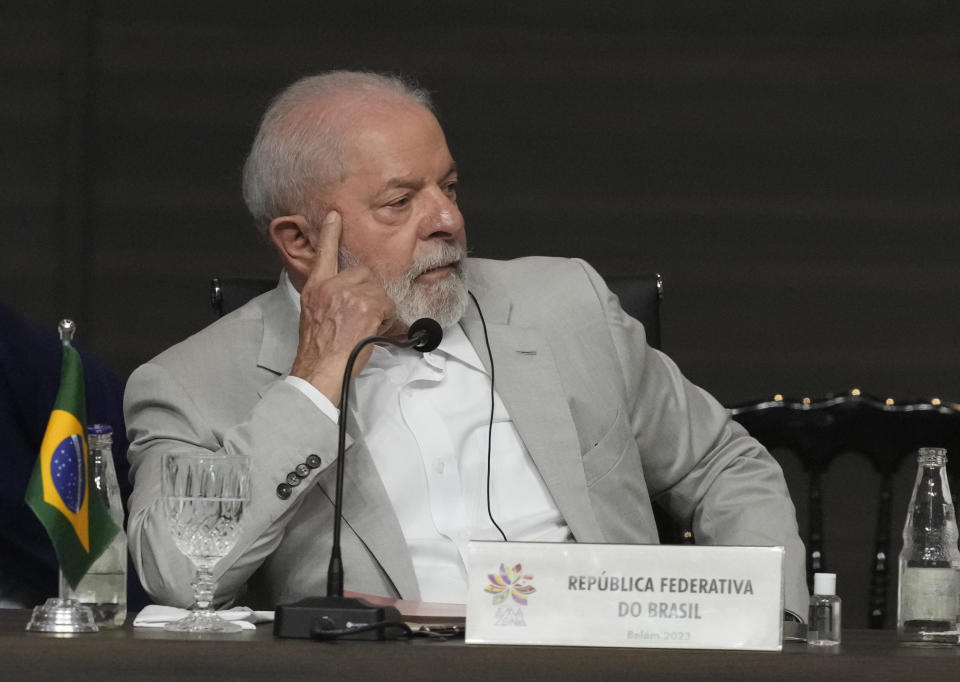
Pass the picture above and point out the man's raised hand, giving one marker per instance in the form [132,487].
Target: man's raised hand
[337,310]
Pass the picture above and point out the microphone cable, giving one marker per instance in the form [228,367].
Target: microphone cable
[321,631]
[486,340]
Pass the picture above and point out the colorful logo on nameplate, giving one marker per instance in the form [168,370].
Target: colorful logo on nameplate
[510,583]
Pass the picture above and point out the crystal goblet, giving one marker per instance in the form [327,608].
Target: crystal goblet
[204,495]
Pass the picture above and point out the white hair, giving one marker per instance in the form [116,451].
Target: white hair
[295,155]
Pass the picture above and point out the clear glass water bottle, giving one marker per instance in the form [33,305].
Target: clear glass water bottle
[104,587]
[929,588]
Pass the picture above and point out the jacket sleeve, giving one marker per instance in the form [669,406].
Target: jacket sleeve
[281,431]
[700,464]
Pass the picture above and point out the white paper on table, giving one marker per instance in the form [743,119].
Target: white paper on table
[156,616]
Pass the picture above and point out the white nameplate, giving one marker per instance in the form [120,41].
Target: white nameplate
[691,597]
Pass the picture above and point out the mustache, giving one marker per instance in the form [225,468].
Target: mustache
[445,253]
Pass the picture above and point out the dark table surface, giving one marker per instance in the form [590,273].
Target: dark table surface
[147,654]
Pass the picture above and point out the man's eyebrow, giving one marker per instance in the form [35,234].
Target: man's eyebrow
[407,182]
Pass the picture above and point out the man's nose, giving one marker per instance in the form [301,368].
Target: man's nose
[443,218]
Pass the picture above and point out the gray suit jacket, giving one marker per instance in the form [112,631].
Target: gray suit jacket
[609,422]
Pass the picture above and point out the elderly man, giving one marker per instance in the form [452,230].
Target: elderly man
[542,416]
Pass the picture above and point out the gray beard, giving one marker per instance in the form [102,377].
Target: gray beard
[445,300]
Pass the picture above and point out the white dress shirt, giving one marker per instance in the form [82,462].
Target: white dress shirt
[425,419]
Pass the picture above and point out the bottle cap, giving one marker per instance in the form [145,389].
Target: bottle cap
[932,457]
[825,584]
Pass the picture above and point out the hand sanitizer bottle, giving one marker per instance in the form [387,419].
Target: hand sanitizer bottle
[823,626]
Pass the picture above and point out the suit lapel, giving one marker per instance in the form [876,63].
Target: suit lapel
[528,382]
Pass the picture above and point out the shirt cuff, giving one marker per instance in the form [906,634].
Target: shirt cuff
[316,397]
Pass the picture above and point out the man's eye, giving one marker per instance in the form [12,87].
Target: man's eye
[451,189]
[400,202]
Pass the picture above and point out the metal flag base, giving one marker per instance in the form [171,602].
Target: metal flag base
[62,616]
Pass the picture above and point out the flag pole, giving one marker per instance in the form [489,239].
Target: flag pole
[59,614]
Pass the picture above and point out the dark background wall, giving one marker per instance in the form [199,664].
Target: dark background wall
[792,169]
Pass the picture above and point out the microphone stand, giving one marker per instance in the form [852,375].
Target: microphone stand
[335,616]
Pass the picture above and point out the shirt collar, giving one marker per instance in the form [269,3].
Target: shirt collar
[456,345]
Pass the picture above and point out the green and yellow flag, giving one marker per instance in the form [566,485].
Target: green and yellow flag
[59,491]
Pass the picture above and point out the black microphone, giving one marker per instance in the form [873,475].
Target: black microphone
[335,616]
[427,333]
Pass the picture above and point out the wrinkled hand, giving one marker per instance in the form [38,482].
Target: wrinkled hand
[338,309]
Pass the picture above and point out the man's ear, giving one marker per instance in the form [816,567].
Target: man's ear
[295,240]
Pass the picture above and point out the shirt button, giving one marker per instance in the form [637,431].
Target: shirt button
[302,470]
[283,491]
[313,461]
[438,466]
[292,479]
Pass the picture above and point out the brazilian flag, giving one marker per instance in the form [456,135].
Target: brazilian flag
[59,491]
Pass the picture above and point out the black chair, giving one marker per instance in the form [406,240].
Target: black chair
[639,295]
[229,293]
[886,433]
